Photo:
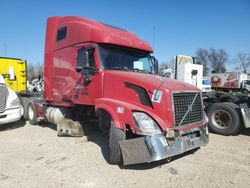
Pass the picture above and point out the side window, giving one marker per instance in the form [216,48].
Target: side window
[86,58]
[61,33]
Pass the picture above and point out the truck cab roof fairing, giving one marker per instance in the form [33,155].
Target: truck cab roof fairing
[80,30]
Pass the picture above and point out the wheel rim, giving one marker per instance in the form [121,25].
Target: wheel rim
[31,113]
[221,119]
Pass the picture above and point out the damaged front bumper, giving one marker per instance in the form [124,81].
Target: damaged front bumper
[157,147]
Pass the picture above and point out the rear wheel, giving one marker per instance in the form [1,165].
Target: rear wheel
[224,119]
[25,102]
[115,136]
[32,115]
[245,91]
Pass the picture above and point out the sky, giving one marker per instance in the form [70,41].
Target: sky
[171,26]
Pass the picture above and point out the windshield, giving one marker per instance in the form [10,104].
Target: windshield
[206,82]
[247,82]
[114,58]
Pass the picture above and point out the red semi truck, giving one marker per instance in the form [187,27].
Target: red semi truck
[96,70]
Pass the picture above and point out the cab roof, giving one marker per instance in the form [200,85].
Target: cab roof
[72,30]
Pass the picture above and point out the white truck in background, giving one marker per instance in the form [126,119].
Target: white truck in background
[230,81]
[227,111]
[183,68]
[10,109]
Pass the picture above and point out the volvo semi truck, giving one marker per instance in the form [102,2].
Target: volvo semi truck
[94,70]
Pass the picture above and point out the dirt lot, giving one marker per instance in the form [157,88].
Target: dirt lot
[33,156]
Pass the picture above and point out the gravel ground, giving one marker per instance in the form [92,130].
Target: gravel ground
[33,156]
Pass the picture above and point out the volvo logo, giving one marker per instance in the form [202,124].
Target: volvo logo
[190,107]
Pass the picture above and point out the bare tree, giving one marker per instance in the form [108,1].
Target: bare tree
[202,56]
[217,59]
[163,66]
[244,61]
[30,71]
[39,69]
[33,71]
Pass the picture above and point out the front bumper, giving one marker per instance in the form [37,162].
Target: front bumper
[10,115]
[157,147]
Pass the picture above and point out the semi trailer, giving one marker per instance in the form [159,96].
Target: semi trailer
[94,70]
[227,112]
[230,81]
[14,72]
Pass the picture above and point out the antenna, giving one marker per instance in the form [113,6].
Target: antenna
[5,48]
[153,37]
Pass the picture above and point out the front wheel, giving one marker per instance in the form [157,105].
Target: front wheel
[115,136]
[224,119]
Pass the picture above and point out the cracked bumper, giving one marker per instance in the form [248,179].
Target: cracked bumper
[157,147]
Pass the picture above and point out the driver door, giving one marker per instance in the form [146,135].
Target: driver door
[88,88]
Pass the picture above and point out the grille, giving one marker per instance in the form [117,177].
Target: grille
[183,104]
[3,96]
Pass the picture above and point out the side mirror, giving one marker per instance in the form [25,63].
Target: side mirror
[155,64]
[78,68]
[89,71]
[82,59]
[194,72]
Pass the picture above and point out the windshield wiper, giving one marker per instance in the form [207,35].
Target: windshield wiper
[126,69]
[144,71]
[117,68]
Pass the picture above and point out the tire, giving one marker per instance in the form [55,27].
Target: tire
[115,135]
[224,119]
[25,102]
[244,91]
[32,115]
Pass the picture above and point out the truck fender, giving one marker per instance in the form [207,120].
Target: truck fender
[112,113]
[119,118]
[235,106]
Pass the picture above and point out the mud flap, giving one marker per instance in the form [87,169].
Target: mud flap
[68,127]
[246,116]
[134,151]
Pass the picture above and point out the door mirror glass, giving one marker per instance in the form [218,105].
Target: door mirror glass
[82,59]
[86,62]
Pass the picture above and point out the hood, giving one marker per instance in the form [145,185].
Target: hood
[151,81]
[150,93]
[2,79]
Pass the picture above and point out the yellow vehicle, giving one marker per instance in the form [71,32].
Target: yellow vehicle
[14,73]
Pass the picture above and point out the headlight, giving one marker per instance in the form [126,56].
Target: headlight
[144,124]
[15,103]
